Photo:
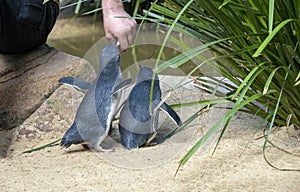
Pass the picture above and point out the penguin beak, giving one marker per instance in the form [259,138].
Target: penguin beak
[117,43]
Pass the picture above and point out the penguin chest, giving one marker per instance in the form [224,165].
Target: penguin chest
[112,108]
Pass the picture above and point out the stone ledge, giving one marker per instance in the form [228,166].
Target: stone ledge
[27,80]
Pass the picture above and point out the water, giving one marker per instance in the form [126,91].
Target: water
[80,37]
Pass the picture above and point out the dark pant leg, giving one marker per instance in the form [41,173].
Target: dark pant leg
[25,24]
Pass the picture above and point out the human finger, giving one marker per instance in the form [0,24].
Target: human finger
[123,42]
[110,37]
[132,33]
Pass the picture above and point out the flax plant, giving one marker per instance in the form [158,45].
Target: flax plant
[256,47]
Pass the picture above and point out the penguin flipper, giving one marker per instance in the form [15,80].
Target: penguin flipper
[122,85]
[72,136]
[171,113]
[75,82]
[118,109]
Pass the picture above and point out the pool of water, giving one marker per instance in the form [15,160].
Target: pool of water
[85,38]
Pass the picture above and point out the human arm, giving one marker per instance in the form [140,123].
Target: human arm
[121,29]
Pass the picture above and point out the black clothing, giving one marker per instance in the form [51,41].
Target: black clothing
[25,24]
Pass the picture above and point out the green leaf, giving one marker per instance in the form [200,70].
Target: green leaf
[77,9]
[298,76]
[270,37]
[42,147]
[224,3]
[202,102]
[92,11]
[186,56]
[185,124]
[269,80]
[271,15]
[245,81]
[275,110]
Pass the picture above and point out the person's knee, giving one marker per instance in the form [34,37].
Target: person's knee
[27,27]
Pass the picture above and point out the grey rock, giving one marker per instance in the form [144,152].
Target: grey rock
[52,118]
[27,80]
[5,141]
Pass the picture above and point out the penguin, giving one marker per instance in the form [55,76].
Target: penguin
[96,111]
[137,122]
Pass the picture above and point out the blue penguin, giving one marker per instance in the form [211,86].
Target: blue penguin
[138,123]
[96,111]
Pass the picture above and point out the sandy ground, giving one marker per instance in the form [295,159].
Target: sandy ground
[237,165]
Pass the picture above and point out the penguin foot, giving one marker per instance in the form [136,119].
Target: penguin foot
[98,148]
[149,142]
[85,145]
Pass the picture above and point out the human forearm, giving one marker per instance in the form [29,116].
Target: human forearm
[110,6]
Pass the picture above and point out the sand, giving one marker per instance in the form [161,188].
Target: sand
[237,165]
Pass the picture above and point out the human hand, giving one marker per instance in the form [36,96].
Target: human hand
[116,28]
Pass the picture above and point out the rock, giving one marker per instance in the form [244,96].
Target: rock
[27,80]
[53,117]
[5,141]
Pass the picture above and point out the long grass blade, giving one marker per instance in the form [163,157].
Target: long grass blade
[182,58]
[271,15]
[216,126]
[185,124]
[77,9]
[269,80]
[163,46]
[42,147]
[224,3]
[245,88]
[247,78]
[202,102]
[270,37]
[271,126]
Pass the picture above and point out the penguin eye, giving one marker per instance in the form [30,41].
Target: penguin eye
[116,58]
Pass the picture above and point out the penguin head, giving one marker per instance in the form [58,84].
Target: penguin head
[109,54]
[72,136]
[145,74]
